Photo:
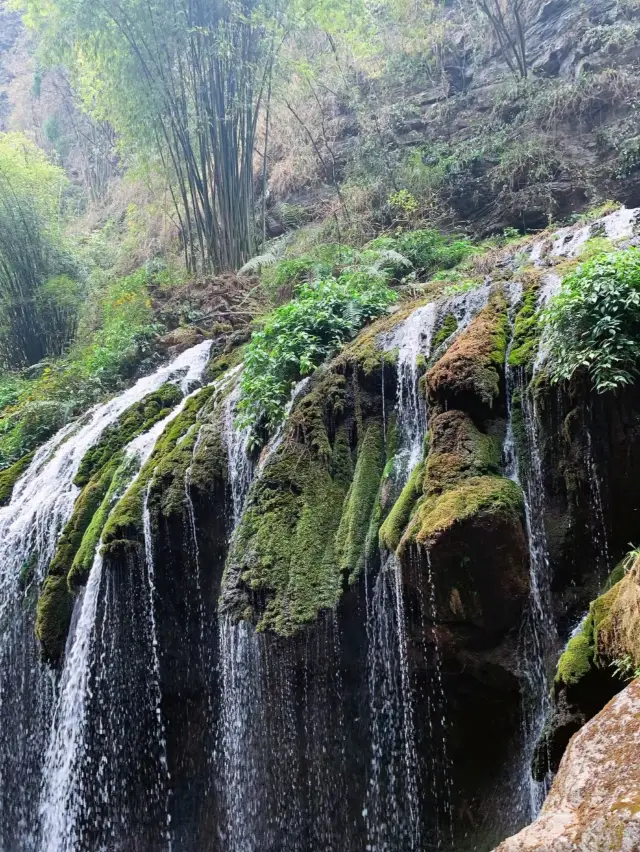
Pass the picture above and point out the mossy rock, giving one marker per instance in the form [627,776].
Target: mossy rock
[396,522]
[53,616]
[448,327]
[283,558]
[133,422]
[577,658]
[356,517]
[611,630]
[84,509]
[469,374]
[481,495]
[320,405]
[10,475]
[171,455]
[526,331]
[458,450]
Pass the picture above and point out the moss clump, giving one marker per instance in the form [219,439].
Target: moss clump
[449,326]
[10,475]
[310,416]
[459,450]
[489,495]
[611,630]
[53,616]
[85,508]
[356,516]
[472,366]
[526,331]
[283,550]
[84,557]
[171,455]
[135,421]
[577,658]
[393,528]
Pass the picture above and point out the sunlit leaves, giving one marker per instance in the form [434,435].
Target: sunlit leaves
[593,323]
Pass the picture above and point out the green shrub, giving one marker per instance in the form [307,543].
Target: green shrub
[298,336]
[425,249]
[594,321]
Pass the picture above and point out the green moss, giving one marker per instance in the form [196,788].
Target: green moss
[459,450]
[10,475]
[577,658]
[85,508]
[170,456]
[588,649]
[283,549]
[490,495]
[449,326]
[358,508]
[393,528]
[526,331]
[310,416]
[134,421]
[84,557]
[53,616]
[222,364]
[474,363]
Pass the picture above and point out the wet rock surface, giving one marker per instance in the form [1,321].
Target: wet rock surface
[595,799]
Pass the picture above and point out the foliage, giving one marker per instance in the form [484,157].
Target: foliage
[101,360]
[184,82]
[593,323]
[38,299]
[298,336]
[426,250]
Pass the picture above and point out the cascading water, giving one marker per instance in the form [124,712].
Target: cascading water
[538,633]
[392,808]
[280,740]
[32,747]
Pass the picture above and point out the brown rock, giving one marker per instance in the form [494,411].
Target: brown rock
[594,804]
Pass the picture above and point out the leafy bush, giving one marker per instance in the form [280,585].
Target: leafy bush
[594,321]
[298,336]
[425,249]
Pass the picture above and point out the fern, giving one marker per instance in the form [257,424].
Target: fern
[389,257]
[257,263]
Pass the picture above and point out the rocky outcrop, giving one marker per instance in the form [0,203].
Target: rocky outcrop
[594,803]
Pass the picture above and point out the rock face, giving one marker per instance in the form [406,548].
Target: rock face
[594,803]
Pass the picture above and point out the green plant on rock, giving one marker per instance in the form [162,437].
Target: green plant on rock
[297,337]
[449,326]
[10,475]
[593,323]
[526,331]
[427,250]
[284,547]
[356,517]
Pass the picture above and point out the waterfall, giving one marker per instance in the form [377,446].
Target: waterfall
[392,809]
[41,714]
[247,771]
[538,634]
[280,739]
[161,737]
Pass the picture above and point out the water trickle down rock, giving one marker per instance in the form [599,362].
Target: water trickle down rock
[42,502]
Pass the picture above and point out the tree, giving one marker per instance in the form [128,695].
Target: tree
[508,19]
[186,79]
[38,298]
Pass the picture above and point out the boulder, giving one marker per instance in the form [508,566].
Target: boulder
[594,803]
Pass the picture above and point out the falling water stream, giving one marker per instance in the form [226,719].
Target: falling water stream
[43,718]
[89,743]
